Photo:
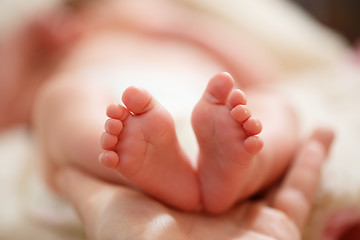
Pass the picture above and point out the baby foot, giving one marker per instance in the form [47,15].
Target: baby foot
[226,133]
[140,143]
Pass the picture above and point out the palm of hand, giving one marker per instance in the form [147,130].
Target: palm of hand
[115,212]
[144,218]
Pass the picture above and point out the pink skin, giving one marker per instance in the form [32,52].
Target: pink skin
[226,133]
[191,199]
[31,56]
[342,225]
[104,207]
[65,107]
[20,79]
[141,144]
[28,58]
[140,138]
[22,89]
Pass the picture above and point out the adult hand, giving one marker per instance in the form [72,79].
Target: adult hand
[110,211]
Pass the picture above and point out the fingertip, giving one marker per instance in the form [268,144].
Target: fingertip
[312,154]
[297,192]
[325,136]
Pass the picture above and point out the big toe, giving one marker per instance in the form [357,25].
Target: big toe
[219,88]
[138,100]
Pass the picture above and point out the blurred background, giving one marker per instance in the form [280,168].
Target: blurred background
[341,15]
[312,41]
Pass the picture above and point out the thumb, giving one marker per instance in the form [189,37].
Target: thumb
[82,191]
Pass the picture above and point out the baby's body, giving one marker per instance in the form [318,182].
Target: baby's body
[69,115]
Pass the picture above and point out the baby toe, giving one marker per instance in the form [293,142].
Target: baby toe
[253,144]
[113,126]
[108,141]
[138,100]
[237,97]
[117,111]
[109,159]
[252,126]
[240,113]
[219,88]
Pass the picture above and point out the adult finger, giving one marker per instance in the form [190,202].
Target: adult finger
[85,193]
[295,195]
[325,136]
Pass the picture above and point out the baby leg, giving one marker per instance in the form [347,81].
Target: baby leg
[231,165]
[142,145]
[67,121]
